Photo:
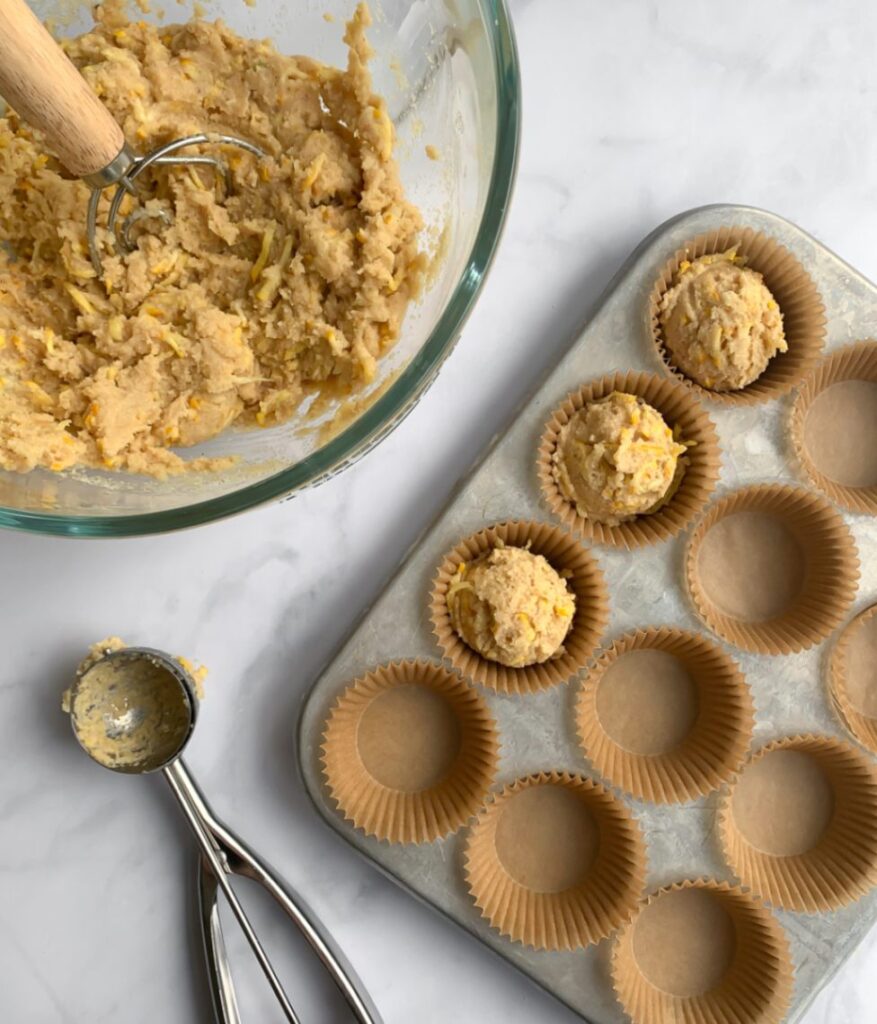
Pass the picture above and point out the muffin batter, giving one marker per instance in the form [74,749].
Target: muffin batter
[721,324]
[616,459]
[298,280]
[97,651]
[511,606]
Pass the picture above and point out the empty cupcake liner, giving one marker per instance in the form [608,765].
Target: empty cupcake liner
[792,287]
[856,362]
[409,752]
[852,667]
[667,736]
[808,550]
[692,488]
[555,861]
[566,555]
[808,808]
[702,952]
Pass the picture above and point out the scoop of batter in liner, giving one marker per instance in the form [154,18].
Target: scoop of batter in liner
[721,324]
[511,606]
[616,459]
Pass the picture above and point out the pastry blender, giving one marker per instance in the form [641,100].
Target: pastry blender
[46,89]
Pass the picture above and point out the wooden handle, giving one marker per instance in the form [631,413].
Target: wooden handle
[42,85]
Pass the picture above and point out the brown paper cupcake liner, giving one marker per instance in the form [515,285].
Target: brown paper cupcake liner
[798,825]
[861,725]
[555,861]
[856,362]
[786,575]
[702,952]
[690,492]
[409,752]
[789,283]
[583,576]
[678,724]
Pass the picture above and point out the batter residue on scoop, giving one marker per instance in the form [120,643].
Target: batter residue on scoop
[298,280]
[511,606]
[126,712]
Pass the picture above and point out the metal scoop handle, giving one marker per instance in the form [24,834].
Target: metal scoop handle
[44,87]
[224,854]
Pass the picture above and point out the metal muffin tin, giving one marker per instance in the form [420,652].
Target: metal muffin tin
[646,589]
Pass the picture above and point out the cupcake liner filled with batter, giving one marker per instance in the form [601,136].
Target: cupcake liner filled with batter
[799,824]
[772,569]
[555,861]
[689,474]
[834,427]
[409,752]
[507,615]
[791,288]
[852,678]
[703,951]
[664,715]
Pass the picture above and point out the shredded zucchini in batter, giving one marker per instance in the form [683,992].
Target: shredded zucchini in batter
[298,280]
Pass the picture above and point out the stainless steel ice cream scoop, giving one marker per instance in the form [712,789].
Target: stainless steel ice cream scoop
[133,710]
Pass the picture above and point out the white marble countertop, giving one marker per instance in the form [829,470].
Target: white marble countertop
[633,111]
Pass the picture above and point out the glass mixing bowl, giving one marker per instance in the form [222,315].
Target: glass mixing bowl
[448,70]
